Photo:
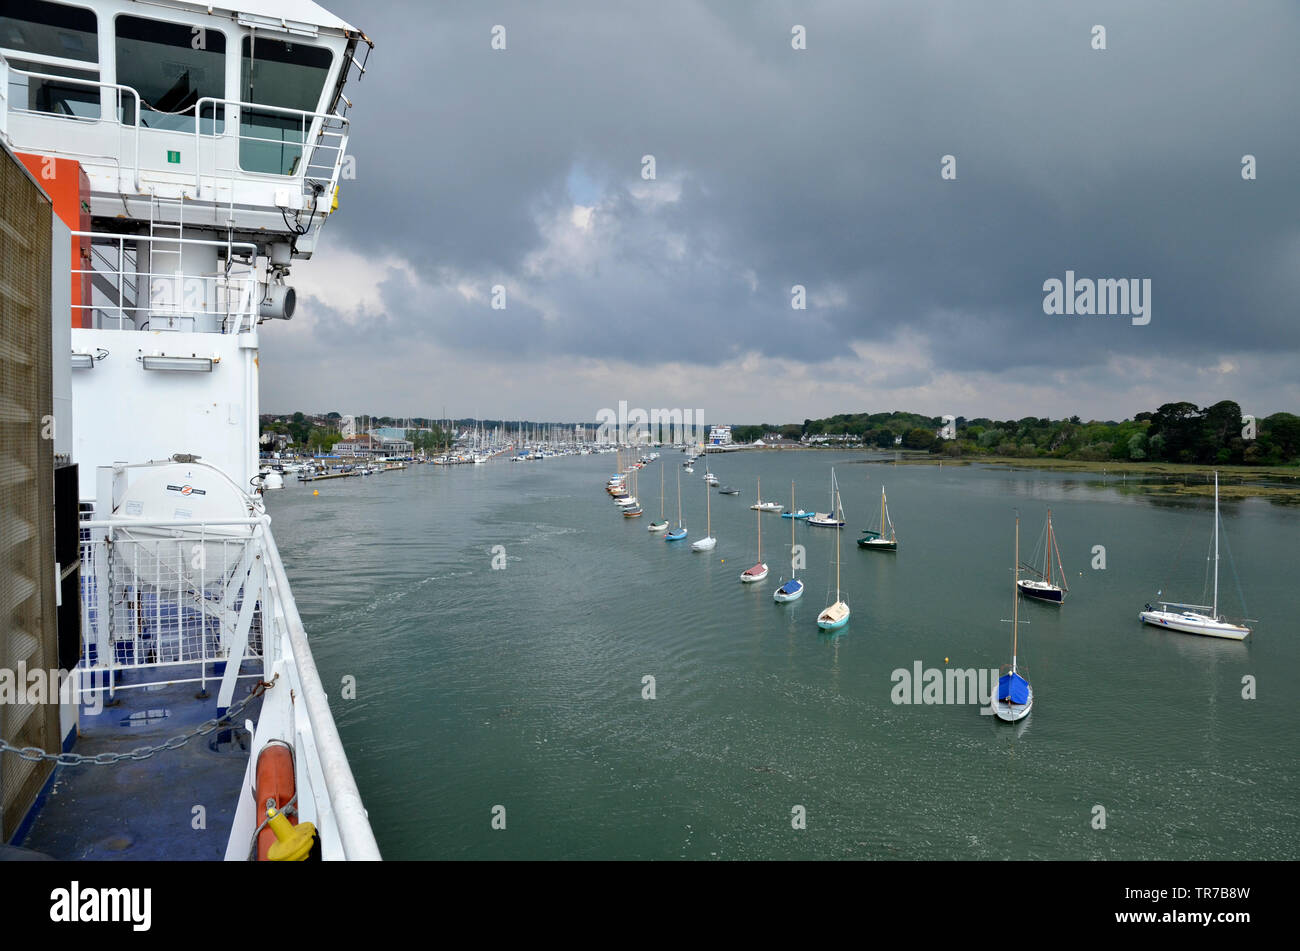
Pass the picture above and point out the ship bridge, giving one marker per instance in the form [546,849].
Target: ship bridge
[194,152]
[238,112]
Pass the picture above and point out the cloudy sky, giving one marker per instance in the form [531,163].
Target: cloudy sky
[819,167]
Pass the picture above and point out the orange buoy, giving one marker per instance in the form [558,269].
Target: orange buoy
[275,788]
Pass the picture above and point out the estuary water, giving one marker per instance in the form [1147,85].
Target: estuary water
[523,686]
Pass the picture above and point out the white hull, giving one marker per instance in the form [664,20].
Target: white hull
[704,544]
[784,597]
[834,617]
[1191,623]
[1011,712]
[749,575]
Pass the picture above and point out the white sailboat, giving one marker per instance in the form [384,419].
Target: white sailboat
[1015,697]
[835,517]
[662,524]
[759,570]
[1190,620]
[762,506]
[837,615]
[708,542]
[792,590]
[678,533]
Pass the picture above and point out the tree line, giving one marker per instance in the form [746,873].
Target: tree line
[1219,434]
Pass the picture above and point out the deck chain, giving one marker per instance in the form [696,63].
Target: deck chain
[35,754]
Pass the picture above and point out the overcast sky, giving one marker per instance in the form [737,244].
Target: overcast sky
[821,167]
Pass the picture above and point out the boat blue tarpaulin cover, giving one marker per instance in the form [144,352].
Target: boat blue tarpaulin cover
[1013,687]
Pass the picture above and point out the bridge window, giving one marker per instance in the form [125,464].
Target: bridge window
[59,32]
[50,29]
[286,75]
[172,66]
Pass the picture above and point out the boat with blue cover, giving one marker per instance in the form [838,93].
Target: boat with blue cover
[1015,697]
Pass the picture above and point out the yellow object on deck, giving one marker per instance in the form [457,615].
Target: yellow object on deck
[293,842]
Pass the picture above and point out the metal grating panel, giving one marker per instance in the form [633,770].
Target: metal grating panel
[28,632]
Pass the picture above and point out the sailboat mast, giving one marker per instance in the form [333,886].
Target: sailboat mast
[661,491]
[837,554]
[792,518]
[1216,545]
[1015,601]
[882,511]
[1049,546]
[760,522]
[708,511]
[679,499]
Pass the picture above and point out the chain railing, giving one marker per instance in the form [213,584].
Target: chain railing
[35,754]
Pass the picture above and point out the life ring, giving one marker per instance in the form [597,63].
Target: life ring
[275,788]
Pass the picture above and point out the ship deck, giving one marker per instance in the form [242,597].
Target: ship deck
[145,810]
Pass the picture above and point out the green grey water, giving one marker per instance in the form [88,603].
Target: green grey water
[523,687]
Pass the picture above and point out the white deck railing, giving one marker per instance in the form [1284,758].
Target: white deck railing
[164,599]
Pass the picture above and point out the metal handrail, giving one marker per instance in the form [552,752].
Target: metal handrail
[241,105]
[345,799]
[309,118]
[247,274]
[95,83]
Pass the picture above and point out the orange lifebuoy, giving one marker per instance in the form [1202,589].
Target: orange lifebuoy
[275,786]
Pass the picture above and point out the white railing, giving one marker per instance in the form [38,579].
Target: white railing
[322,143]
[233,292]
[10,108]
[335,773]
[164,595]
[159,595]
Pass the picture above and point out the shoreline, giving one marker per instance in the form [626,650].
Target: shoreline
[1156,478]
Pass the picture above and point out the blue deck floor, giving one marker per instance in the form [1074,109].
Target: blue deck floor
[145,810]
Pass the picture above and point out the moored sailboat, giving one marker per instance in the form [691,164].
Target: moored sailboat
[792,590]
[1191,620]
[678,533]
[759,570]
[1014,697]
[1044,586]
[662,524]
[708,542]
[835,517]
[882,537]
[837,615]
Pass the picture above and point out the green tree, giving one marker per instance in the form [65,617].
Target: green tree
[918,438]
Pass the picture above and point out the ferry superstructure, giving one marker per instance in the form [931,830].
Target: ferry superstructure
[170,162]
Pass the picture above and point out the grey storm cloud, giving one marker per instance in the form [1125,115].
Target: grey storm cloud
[821,167]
